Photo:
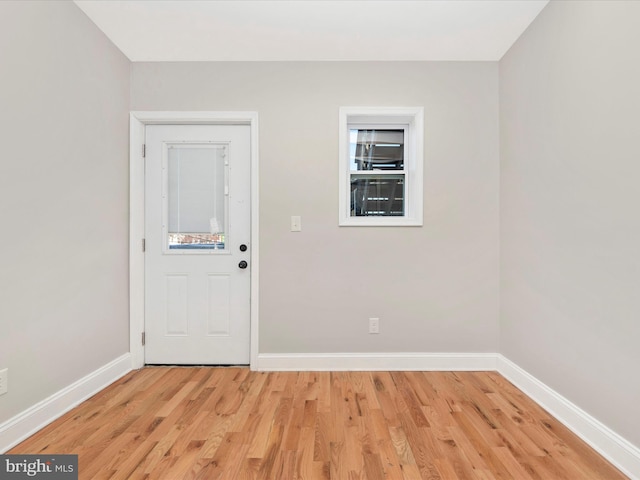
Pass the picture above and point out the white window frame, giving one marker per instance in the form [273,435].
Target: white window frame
[410,118]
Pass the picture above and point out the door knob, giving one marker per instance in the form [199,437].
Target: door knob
[243,264]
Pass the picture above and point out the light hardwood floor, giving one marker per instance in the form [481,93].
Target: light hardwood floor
[231,423]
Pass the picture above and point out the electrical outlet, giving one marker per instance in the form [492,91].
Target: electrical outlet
[4,381]
[296,223]
[374,325]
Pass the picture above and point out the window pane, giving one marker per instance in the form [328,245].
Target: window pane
[196,197]
[377,195]
[376,149]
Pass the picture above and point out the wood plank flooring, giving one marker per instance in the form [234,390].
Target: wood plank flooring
[231,423]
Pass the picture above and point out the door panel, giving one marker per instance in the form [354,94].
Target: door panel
[176,312]
[219,319]
[197,214]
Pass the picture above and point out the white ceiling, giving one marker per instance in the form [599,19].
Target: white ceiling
[313,30]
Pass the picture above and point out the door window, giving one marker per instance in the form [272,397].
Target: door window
[195,197]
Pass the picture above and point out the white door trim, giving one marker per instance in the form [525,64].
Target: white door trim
[137,123]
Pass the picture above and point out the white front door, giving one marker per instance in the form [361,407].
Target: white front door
[197,231]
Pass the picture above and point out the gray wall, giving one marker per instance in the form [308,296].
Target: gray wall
[570,229]
[435,288]
[64,100]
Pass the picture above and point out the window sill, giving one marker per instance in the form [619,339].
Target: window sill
[380,222]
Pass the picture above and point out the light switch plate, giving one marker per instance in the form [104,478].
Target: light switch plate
[296,223]
[374,325]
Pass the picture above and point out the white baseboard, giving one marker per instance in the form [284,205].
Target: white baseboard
[31,420]
[624,455]
[375,361]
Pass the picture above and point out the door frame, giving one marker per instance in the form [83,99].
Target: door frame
[138,120]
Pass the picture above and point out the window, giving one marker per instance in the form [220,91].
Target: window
[380,166]
[196,204]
